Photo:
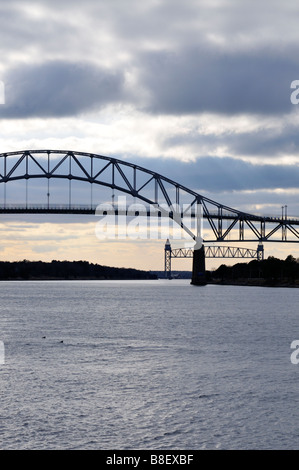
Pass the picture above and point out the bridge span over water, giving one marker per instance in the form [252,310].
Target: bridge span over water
[60,172]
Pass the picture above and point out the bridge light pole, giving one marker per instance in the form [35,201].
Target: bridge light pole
[284,211]
[283,224]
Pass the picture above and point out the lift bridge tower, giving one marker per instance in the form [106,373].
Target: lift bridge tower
[198,256]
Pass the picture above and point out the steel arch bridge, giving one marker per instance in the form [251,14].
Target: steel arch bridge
[168,197]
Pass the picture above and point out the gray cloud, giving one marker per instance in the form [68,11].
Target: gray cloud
[169,47]
[267,143]
[225,174]
[64,58]
[192,81]
[57,88]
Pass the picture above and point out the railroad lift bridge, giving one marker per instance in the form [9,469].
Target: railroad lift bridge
[211,251]
[153,196]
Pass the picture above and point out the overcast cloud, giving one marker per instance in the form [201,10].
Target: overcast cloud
[199,90]
[57,89]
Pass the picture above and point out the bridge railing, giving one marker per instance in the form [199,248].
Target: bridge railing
[146,210]
[223,223]
[26,207]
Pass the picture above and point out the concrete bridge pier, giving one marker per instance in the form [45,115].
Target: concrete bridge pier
[199,260]
[199,267]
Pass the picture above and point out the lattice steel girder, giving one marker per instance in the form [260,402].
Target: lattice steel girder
[220,252]
[141,183]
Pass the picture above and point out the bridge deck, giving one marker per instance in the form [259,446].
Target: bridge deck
[148,212]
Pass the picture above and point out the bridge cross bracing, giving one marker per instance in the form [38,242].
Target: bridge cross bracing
[210,252]
[169,198]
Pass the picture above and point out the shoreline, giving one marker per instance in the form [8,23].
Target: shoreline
[255,283]
[78,279]
[216,282]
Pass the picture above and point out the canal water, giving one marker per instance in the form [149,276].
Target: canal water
[148,365]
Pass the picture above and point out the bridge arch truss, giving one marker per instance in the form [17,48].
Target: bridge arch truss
[180,203]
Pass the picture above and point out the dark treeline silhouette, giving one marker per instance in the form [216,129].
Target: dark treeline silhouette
[67,270]
[271,271]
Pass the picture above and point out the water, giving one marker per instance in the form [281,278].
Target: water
[148,365]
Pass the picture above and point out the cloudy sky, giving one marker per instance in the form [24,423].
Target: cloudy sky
[198,90]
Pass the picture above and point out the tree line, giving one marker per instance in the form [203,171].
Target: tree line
[26,270]
[271,270]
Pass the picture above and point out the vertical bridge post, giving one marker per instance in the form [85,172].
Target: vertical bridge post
[199,263]
[167,260]
[260,251]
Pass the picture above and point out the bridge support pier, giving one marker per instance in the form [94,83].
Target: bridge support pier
[199,267]
[167,260]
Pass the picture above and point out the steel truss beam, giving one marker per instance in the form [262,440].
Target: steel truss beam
[220,252]
[151,188]
[210,252]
